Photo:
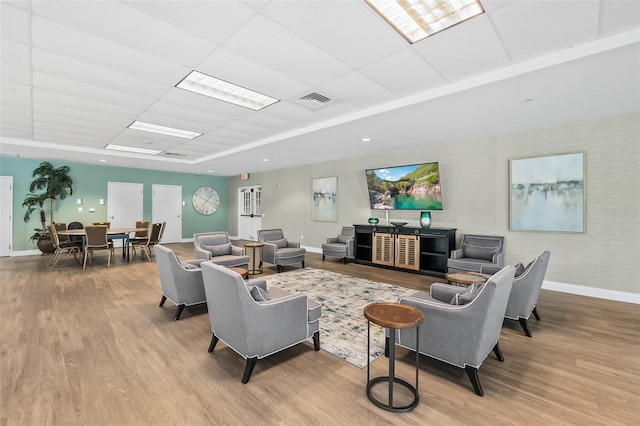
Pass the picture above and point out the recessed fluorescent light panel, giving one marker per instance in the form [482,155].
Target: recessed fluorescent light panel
[203,84]
[418,19]
[132,149]
[154,128]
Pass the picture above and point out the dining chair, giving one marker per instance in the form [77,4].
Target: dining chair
[97,240]
[152,237]
[141,235]
[62,227]
[75,225]
[107,224]
[61,248]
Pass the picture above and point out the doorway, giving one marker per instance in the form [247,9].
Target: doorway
[167,207]
[6,213]
[249,211]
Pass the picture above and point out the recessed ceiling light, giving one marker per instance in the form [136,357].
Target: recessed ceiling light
[366,139]
[132,149]
[213,87]
[265,159]
[102,161]
[154,128]
[209,171]
[418,19]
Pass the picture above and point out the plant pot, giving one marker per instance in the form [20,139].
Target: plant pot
[45,245]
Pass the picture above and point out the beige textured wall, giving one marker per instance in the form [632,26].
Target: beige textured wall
[474,178]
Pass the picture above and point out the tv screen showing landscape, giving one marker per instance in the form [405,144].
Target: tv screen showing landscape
[413,187]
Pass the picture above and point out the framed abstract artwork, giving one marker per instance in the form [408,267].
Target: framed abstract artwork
[547,193]
[325,199]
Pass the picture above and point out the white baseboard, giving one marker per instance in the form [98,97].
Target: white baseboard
[601,293]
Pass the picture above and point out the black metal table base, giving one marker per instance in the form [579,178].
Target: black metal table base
[391,379]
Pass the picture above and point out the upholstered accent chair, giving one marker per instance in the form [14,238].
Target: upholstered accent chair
[278,250]
[526,289]
[462,325]
[217,248]
[256,321]
[181,282]
[475,251]
[342,246]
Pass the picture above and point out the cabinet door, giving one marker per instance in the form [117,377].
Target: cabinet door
[383,249]
[408,252]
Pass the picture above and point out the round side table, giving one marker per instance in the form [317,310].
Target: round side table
[253,246]
[393,316]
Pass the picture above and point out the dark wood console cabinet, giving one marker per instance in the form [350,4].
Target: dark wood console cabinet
[410,248]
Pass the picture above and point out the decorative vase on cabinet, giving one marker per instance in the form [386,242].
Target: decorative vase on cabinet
[425,219]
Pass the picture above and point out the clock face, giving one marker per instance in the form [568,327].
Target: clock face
[205,200]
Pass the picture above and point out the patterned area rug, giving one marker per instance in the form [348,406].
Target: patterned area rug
[343,327]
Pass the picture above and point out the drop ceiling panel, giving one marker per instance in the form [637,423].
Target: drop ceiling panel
[96,93]
[81,103]
[530,29]
[357,35]
[121,24]
[238,69]
[293,112]
[83,72]
[619,15]
[75,123]
[14,24]
[16,95]
[188,114]
[15,53]
[269,122]
[285,50]
[12,75]
[464,50]
[213,20]
[404,73]
[65,112]
[57,38]
[359,90]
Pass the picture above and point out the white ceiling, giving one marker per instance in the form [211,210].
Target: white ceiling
[76,74]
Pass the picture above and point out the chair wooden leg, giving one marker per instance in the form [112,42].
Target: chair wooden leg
[525,326]
[214,341]
[251,363]
[316,340]
[146,251]
[164,299]
[179,312]
[535,313]
[86,254]
[472,372]
[498,352]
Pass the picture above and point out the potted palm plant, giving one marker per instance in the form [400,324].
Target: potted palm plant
[49,183]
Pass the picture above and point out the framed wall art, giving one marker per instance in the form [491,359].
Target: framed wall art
[325,199]
[547,193]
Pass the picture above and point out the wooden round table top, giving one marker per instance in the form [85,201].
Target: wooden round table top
[244,273]
[393,315]
[254,244]
[465,278]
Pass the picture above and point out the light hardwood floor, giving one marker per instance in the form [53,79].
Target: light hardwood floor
[93,348]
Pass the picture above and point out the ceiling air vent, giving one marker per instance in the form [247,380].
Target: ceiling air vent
[314,100]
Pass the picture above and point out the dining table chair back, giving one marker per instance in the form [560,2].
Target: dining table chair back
[60,247]
[144,243]
[107,224]
[142,224]
[61,227]
[97,240]
[75,225]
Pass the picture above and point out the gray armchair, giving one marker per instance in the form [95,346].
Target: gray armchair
[256,329]
[217,248]
[278,250]
[181,281]
[475,251]
[462,334]
[342,246]
[526,289]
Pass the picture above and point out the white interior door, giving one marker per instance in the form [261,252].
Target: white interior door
[6,215]
[125,205]
[249,212]
[167,207]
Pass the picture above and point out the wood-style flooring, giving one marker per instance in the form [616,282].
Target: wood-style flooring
[92,347]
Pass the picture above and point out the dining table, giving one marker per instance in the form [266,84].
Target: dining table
[112,234]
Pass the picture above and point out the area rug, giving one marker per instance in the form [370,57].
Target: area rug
[343,327]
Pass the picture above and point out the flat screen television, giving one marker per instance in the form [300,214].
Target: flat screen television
[412,187]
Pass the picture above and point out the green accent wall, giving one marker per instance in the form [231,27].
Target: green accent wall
[90,184]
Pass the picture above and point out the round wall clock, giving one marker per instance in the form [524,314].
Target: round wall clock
[205,200]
